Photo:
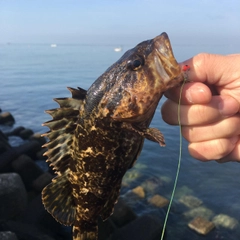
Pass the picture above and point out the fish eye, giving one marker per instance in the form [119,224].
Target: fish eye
[135,64]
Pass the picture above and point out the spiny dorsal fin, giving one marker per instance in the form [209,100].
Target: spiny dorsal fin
[62,128]
[78,93]
[58,201]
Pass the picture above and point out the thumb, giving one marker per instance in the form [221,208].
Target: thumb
[211,69]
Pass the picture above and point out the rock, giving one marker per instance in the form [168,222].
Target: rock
[146,227]
[190,201]
[28,231]
[38,137]
[27,169]
[223,220]
[13,196]
[40,155]
[42,181]
[6,118]
[26,133]
[199,212]
[201,225]
[15,131]
[122,214]
[139,191]
[8,236]
[105,228]
[182,191]
[3,137]
[152,185]
[28,148]
[131,176]
[158,201]
[4,145]
[139,166]
[37,215]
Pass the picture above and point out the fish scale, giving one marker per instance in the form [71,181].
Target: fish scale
[97,135]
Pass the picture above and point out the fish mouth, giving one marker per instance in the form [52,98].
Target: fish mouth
[165,62]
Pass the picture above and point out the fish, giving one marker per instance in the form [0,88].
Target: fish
[96,135]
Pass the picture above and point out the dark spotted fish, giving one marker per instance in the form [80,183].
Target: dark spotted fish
[96,135]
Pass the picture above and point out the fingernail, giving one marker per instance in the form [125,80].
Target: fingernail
[228,106]
[191,93]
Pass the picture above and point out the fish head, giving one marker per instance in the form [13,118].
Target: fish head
[138,80]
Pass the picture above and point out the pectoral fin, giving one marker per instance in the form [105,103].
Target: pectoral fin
[152,134]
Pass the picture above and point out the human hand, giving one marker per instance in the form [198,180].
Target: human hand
[210,114]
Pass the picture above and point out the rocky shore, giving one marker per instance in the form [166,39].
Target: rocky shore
[24,173]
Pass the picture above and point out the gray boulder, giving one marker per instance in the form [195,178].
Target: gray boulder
[13,196]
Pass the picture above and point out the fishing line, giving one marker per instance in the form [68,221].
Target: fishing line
[185,69]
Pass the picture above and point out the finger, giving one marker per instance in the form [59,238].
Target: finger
[226,128]
[233,156]
[211,68]
[192,93]
[214,149]
[218,108]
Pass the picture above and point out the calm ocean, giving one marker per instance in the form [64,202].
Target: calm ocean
[32,75]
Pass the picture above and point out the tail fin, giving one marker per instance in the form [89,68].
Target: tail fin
[83,230]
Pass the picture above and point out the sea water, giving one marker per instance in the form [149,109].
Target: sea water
[32,75]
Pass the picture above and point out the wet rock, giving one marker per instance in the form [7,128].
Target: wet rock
[225,221]
[105,228]
[15,131]
[13,196]
[26,133]
[7,235]
[199,212]
[42,181]
[152,185]
[36,214]
[28,231]
[6,118]
[146,227]
[139,191]
[201,225]
[131,176]
[139,166]
[183,191]
[190,201]
[38,137]
[158,201]
[27,169]
[166,179]
[122,214]
[3,137]
[40,155]
[4,145]
[28,148]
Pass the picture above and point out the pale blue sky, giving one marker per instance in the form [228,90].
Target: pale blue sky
[119,21]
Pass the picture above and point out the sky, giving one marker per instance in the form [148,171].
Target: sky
[119,21]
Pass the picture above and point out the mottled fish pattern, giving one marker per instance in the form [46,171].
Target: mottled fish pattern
[96,135]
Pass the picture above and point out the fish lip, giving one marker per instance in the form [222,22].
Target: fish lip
[165,61]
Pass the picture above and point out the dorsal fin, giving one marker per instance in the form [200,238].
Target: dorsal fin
[62,128]
[78,93]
